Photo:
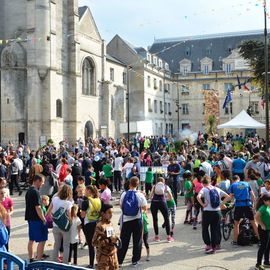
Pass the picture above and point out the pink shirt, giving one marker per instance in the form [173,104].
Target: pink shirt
[8,204]
[106,196]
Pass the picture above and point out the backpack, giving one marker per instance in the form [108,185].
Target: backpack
[60,218]
[160,188]
[245,235]
[95,207]
[130,205]
[3,234]
[14,168]
[214,197]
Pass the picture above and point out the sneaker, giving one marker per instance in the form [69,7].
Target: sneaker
[156,238]
[60,259]
[234,243]
[170,239]
[259,267]
[186,222]
[210,251]
[45,256]
[207,247]
[147,258]
[135,264]
[194,227]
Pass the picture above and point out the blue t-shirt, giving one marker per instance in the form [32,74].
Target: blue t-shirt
[241,191]
[238,165]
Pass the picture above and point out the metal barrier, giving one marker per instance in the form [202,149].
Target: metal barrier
[43,265]
[9,261]
[155,170]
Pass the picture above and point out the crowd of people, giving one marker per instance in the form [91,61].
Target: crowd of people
[70,189]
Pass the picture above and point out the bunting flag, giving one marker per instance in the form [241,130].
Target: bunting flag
[228,98]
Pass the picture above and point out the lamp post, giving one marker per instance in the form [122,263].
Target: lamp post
[128,92]
[266,76]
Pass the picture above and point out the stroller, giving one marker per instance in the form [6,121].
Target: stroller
[246,235]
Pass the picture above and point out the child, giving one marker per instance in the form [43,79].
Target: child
[69,179]
[171,209]
[105,194]
[45,201]
[8,205]
[197,186]
[105,240]
[80,190]
[266,188]
[74,234]
[252,180]
[149,178]
[145,233]
[262,217]
[225,180]
[188,196]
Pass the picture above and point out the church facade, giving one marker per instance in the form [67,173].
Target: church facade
[53,67]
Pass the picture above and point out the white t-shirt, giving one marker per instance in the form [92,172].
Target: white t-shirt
[205,194]
[207,168]
[128,167]
[118,164]
[264,191]
[141,201]
[74,237]
[57,203]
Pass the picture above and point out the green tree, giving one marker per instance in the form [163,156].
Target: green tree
[253,52]
[212,124]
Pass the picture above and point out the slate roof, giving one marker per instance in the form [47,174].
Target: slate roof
[82,10]
[115,60]
[195,48]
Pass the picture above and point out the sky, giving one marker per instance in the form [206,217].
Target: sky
[142,21]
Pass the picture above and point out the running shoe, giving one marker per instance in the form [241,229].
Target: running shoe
[170,239]
[156,238]
[259,267]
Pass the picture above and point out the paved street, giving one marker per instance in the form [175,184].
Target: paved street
[185,253]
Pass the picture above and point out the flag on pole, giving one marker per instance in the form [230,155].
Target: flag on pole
[228,98]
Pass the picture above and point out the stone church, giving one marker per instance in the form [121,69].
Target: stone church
[53,70]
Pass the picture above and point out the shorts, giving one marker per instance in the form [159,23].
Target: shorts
[243,212]
[37,231]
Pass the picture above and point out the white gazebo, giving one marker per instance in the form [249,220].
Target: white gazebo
[242,121]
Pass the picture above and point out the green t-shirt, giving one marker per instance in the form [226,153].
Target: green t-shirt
[188,188]
[145,222]
[149,177]
[197,163]
[260,182]
[107,169]
[265,216]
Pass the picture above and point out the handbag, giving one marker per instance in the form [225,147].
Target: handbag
[60,218]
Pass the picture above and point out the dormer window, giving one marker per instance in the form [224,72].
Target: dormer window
[155,61]
[185,66]
[206,65]
[160,63]
[149,58]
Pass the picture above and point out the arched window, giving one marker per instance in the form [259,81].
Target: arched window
[59,108]
[88,78]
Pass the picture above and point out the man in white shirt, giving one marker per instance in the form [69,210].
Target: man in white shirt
[132,223]
[117,172]
[206,167]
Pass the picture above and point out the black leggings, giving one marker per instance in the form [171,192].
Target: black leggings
[89,230]
[162,206]
[264,246]
[211,219]
[74,248]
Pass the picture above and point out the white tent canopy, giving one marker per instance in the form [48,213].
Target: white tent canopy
[242,120]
